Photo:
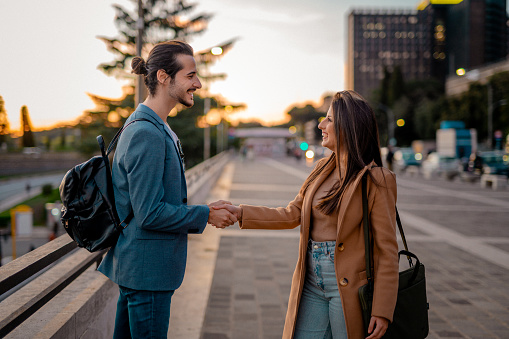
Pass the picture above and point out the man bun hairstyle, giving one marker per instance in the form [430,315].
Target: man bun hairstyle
[162,56]
[138,66]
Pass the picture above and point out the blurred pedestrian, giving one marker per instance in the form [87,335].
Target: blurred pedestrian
[389,157]
[324,300]
[475,164]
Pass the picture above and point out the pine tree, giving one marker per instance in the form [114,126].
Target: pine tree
[26,128]
[162,21]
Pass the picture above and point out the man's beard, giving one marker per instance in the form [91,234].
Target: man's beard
[187,104]
[184,101]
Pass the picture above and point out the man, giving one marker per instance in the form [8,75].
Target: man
[148,261]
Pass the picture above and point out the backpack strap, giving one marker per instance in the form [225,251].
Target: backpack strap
[105,154]
[113,142]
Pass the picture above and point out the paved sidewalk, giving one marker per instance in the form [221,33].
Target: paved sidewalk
[458,230]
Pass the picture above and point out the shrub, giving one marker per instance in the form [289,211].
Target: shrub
[47,189]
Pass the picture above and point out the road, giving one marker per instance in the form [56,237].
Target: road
[458,230]
[14,191]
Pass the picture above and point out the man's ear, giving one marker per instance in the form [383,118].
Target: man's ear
[162,76]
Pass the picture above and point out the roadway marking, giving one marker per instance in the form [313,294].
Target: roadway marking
[468,244]
[451,193]
[286,168]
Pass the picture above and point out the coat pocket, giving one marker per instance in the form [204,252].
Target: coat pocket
[363,278]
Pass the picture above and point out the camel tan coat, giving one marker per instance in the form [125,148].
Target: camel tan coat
[349,255]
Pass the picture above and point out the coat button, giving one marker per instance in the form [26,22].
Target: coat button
[341,247]
[184,200]
[343,282]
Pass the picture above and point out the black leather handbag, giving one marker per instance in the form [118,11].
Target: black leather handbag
[88,205]
[410,318]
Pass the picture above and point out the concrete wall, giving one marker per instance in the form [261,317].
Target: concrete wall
[84,309]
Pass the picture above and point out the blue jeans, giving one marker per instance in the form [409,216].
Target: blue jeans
[142,314]
[320,311]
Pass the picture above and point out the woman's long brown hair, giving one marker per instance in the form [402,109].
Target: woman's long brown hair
[355,126]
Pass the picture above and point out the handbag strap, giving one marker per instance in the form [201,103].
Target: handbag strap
[365,218]
[367,246]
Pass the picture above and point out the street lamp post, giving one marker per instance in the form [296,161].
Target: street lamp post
[206,130]
[491,108]
[139,46]
[207,57]
[390,121]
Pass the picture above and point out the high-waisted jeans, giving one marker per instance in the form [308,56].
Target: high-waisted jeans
[320,311]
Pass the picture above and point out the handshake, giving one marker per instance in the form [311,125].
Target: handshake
[223,214]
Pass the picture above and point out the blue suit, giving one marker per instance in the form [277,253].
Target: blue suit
[148,178]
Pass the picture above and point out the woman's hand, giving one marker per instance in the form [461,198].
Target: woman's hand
[235,210]
[377,327]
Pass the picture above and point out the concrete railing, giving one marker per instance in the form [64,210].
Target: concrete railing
[55,290]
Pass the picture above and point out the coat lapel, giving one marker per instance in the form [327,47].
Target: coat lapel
[148,113]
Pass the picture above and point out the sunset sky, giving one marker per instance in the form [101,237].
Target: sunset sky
[288,52]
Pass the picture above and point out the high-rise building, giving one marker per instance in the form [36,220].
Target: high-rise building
[379,39]
[433,41]
[477,33]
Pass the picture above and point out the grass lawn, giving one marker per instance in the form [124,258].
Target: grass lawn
[37,204]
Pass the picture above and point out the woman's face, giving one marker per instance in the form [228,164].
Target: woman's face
[328,133]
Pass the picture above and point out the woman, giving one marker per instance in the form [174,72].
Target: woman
[324,301]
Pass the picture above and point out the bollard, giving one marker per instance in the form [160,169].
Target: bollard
[21,223]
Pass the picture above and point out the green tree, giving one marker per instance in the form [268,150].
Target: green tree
[417,102]
[28,136]
[4,123]
[500,100]
[162,21]
[187,121]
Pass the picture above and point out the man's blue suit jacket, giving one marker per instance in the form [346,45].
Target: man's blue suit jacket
[148,178]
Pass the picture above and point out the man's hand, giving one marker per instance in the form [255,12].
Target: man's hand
[377,327]
[218,203]
[221,218]
[236,210]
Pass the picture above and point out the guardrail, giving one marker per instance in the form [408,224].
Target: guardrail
[55,292]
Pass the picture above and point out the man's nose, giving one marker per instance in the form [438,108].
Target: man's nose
[198,85]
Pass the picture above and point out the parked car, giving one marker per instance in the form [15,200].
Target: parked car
[440,165]
[495,162]
[405,158]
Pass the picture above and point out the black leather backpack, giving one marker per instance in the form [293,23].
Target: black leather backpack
[88,213]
